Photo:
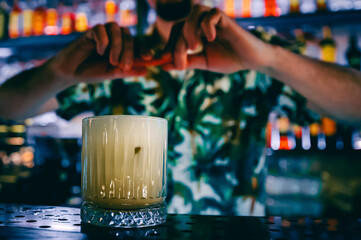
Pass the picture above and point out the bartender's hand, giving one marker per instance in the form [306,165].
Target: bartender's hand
[105,51]
[227,47]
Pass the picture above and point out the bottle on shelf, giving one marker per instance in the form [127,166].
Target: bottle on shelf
[65,10]
[28,14]
[273,132]
[328,46]
[315,133]
[306,138]
[286,142]
[353,54]
[297,134]
[81,17]
[15,21]
[328,54]
[246,9]
[321,5]
[111,9]
[271,8]
[229,8]
[294,6]
[4,20]
[39,18]
[51,27]
[342,137]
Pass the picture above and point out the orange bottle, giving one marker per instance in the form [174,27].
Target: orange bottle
[110,10]
[246,9]
[229,8]
[51,22]
[271,8]
[67,23]
[39,21]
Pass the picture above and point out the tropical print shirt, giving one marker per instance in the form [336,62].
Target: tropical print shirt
[216,156]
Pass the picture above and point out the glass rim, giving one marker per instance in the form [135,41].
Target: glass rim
[125,116]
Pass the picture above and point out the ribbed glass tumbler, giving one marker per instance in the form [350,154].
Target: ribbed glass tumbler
[124,171]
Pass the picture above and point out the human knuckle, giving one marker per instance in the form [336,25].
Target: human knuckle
[98,27]
[215,11]
[204,23]
[113,25]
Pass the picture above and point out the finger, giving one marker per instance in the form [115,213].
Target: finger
[115,38]
[173,37]
[176,47]
[98,67]
[99,35]
[127,56]
[210,22]
[180,54]
[191,26]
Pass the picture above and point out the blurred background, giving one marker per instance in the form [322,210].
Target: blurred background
[312,170]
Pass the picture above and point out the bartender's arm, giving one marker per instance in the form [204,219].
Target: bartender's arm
[329,88]
[105,51]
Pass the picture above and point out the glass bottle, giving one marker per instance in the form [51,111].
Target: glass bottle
[328,54]
[39,18]
[81,17]
[353,54]
[246,9]
[4,20]
[51,27]
[15,21]
[294,6]
[271,8]
[67,17]
[110,10]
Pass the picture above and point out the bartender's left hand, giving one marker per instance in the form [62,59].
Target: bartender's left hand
[227,47]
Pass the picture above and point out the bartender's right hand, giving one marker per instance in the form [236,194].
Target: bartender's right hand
[105,51]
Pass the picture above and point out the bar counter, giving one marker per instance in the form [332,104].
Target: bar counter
[49,222]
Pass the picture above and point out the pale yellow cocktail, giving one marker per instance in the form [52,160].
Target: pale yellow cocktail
[124,162]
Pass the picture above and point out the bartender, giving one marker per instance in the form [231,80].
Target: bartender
[213,81]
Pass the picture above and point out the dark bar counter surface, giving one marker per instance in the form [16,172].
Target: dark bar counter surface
[48,222]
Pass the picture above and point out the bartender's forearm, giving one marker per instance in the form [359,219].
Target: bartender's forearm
[25,94]
[334,89]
